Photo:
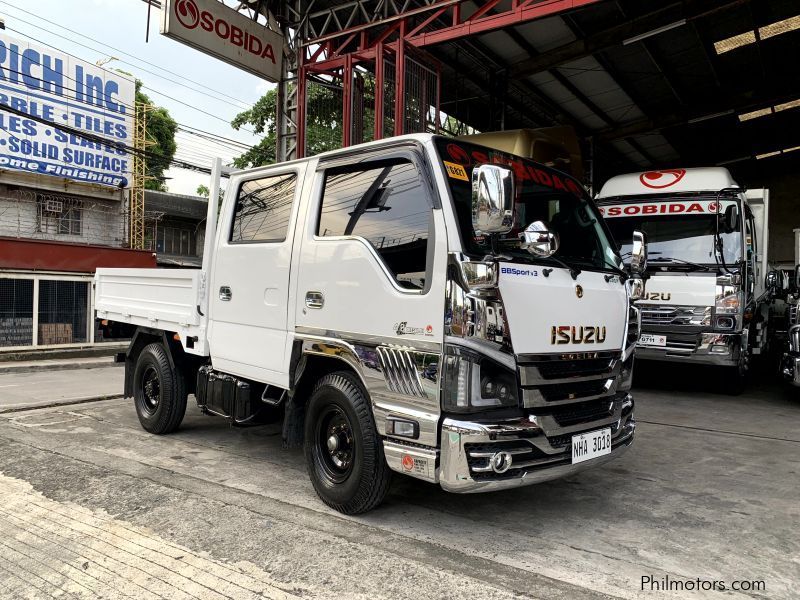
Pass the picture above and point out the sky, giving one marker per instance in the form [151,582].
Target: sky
[119,27]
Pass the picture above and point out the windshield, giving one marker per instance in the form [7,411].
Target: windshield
[542,194]
[682,230]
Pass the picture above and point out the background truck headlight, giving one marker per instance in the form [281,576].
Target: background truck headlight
[473,382]
[729,300]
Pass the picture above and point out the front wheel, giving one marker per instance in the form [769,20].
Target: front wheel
[344,452]
[735,379]
[159,391]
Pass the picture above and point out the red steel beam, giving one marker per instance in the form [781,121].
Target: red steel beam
[521,14]
[378,91]
[400,84]
[521,11]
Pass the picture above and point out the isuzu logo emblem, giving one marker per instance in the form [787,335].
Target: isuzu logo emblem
[579,291]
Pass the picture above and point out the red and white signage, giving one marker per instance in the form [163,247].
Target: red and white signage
[659,180]
[213,28]
[664,209]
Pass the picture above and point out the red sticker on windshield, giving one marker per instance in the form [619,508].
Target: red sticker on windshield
[658,180]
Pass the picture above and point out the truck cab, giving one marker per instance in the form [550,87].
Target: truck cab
[784,290]
[707,241]
[419,306]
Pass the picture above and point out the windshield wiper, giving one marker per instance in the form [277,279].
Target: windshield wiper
[670,259]
[573,270]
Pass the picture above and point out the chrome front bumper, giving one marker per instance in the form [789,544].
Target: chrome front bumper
[466,447]
[720,349]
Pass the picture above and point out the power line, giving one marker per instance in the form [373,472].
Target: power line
[144,86]
[246,105]
[188,129]
[107,141]
[209,143]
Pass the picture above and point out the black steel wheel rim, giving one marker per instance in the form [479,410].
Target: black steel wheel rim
[335,444]
[151,390]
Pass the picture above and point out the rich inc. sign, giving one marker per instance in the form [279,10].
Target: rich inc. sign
[50,97]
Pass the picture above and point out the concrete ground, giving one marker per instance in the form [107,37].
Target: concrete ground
[34,385]
[93,506]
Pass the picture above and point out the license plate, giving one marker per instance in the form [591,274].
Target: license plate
[648,339]
[586,446]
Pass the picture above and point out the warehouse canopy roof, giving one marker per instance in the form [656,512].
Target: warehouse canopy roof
[655,84]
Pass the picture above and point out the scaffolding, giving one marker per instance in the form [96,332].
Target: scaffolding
[136,216]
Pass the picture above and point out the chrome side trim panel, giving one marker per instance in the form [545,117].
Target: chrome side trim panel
[400,372]
[368,340]
[402,380]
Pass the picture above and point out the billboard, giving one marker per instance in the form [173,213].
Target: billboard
[213,28]
[44,97]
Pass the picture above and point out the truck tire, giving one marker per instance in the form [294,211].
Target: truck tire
[735,380]
[159,391]
[344,452]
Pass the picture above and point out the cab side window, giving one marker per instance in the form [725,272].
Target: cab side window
[386,205]
[263,208]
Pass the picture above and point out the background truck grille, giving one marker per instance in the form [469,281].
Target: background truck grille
[676,315]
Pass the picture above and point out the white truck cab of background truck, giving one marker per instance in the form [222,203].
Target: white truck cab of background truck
[349,296]
[703,305]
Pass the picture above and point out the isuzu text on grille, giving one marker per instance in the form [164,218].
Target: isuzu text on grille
[570,334]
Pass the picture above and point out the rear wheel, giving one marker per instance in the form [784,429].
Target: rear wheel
[159,391]
[343,451]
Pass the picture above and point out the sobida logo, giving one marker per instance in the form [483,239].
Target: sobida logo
[188,15]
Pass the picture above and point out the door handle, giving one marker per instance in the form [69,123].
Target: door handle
[225,293]
[315,299]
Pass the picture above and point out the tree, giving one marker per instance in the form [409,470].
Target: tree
[161,147]
[323,122]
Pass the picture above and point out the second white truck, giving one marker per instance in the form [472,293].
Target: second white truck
[707,241]
[416,305]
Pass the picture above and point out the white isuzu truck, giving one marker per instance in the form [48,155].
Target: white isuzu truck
[415,305]
[707,239]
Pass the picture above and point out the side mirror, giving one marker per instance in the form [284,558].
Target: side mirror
[492,199]
[636,287]
[639,254]
[730,219]
[774,282]
[539,240]
[480,275]
[796,287]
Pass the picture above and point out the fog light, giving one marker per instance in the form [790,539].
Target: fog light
[719,349]
[407,429]
[501,462]
[725,322]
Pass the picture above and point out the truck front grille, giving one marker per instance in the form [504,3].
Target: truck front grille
[556,379]
[573,391]
[584,412]
[697,316]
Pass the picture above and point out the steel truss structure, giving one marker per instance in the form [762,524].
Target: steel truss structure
[372,52]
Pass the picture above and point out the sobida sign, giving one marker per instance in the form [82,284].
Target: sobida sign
[213,28]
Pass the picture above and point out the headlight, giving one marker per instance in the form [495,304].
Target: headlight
[729,300]
[473,382]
